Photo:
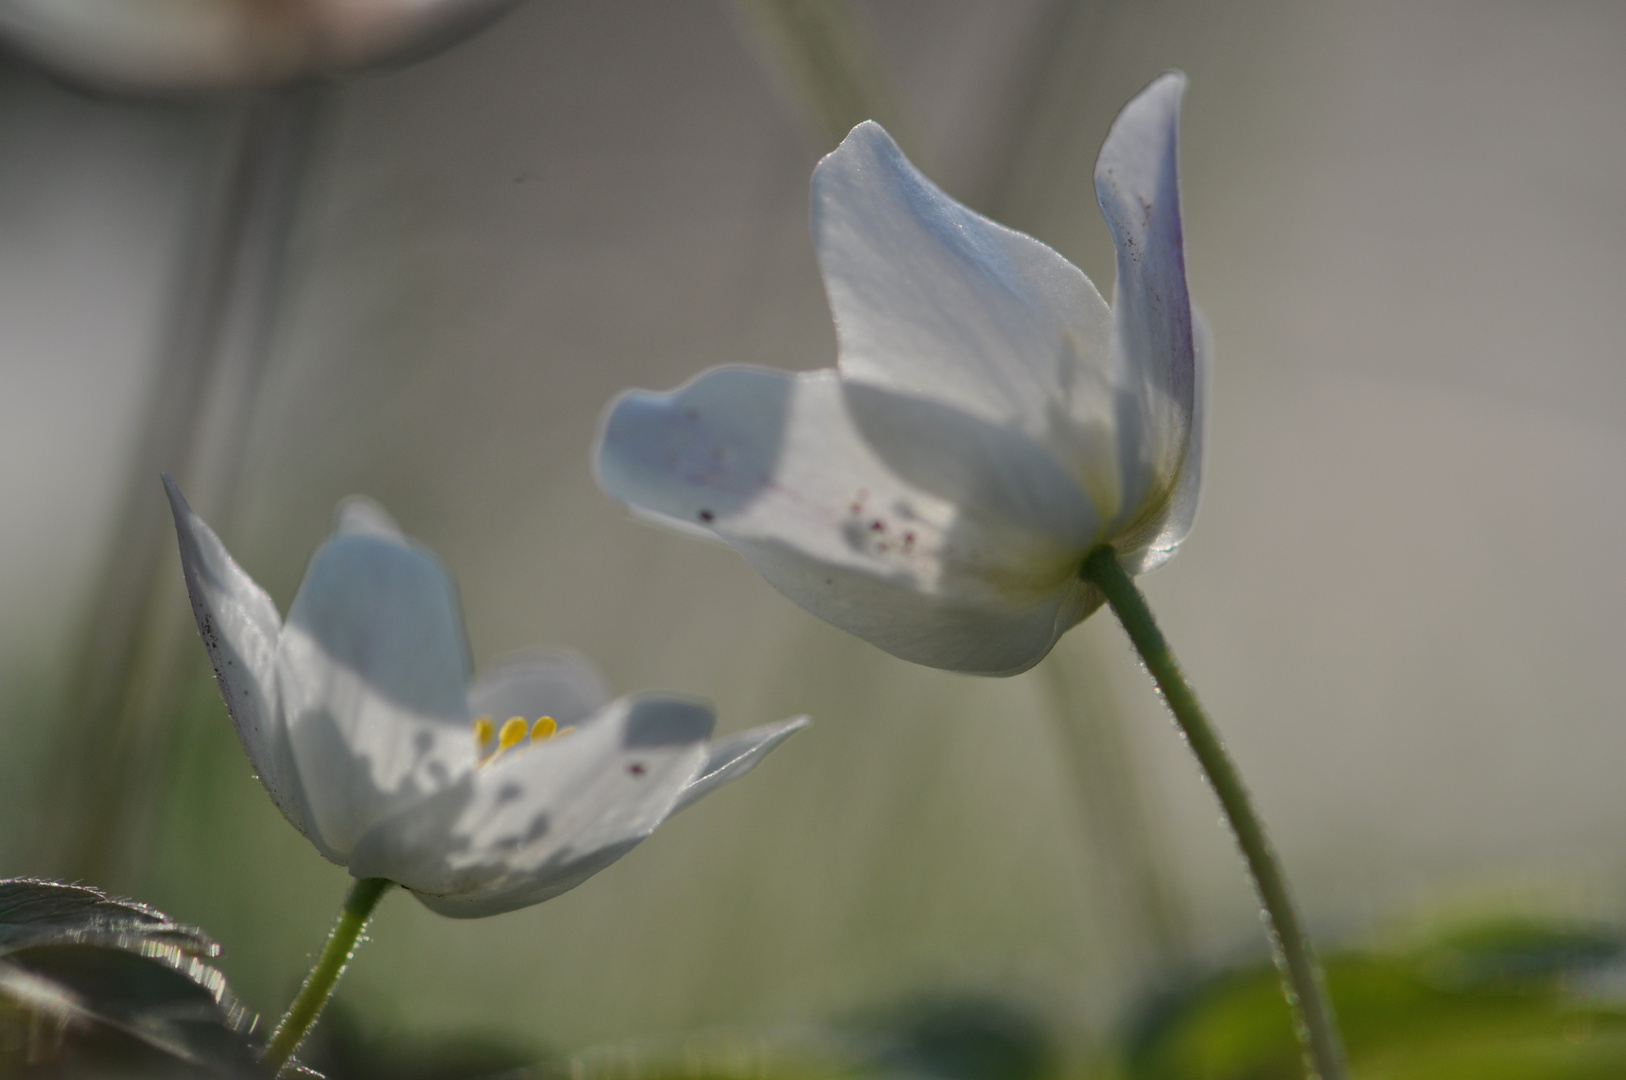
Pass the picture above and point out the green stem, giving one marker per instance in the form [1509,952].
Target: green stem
[1312,1014]
[324,974]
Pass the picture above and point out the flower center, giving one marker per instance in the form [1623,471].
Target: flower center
[514,731]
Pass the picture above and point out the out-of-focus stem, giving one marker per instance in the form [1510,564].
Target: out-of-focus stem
[123,696]
[1313,1019]
[324,974]
[821,53]
[1099,761]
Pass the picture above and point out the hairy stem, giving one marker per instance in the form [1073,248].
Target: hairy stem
[1313,1019]
[324,974]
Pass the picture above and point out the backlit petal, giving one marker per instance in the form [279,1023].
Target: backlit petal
[239,626]
[968,563]
[537,683]
[1137,183]
[361,516]
[372,667]
[1166,533]
[542,820]
[932,298]
[729,759]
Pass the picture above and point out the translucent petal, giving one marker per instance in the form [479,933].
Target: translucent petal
[991,472]
[361,516]
[1163,537]
[1137,183]
[922,627]
[543,819]
[372,667]
[967,563]
[239,626]
[932,298]
[537,683]
[703,451]
[733,757]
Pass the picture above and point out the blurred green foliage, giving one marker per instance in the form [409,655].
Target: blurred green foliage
[345,1047]
[1506,999]
[1502,1000]
[957,1038]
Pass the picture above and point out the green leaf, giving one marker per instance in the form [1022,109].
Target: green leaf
[38,912]
[1498,1000]
[95,986]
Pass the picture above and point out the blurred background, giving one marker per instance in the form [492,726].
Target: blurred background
[1406,225]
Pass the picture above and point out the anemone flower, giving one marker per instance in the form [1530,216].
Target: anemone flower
[170,46]
[995,455]
[479,796]
[989,423]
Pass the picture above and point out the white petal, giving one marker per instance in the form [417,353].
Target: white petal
[991,472]
[733,757]
[924,628]
[1165,535]
[703,451]
[372,668]
[975,572]
[1137,183]
[933,298]
[541,682]
[358,515]
[543,819]
[239,626]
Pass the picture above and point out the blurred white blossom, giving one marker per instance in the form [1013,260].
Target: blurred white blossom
[990,422]
[360,719]
[185,45]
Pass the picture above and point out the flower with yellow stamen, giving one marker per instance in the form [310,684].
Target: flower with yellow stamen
[356,714]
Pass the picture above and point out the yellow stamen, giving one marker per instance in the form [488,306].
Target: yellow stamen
[564,731]
[513,730]
[544,729]
[482,732]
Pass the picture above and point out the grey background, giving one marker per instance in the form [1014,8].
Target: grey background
[1406,224]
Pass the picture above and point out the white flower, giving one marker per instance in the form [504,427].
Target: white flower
[990,423]
[360,719]
[188,45]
